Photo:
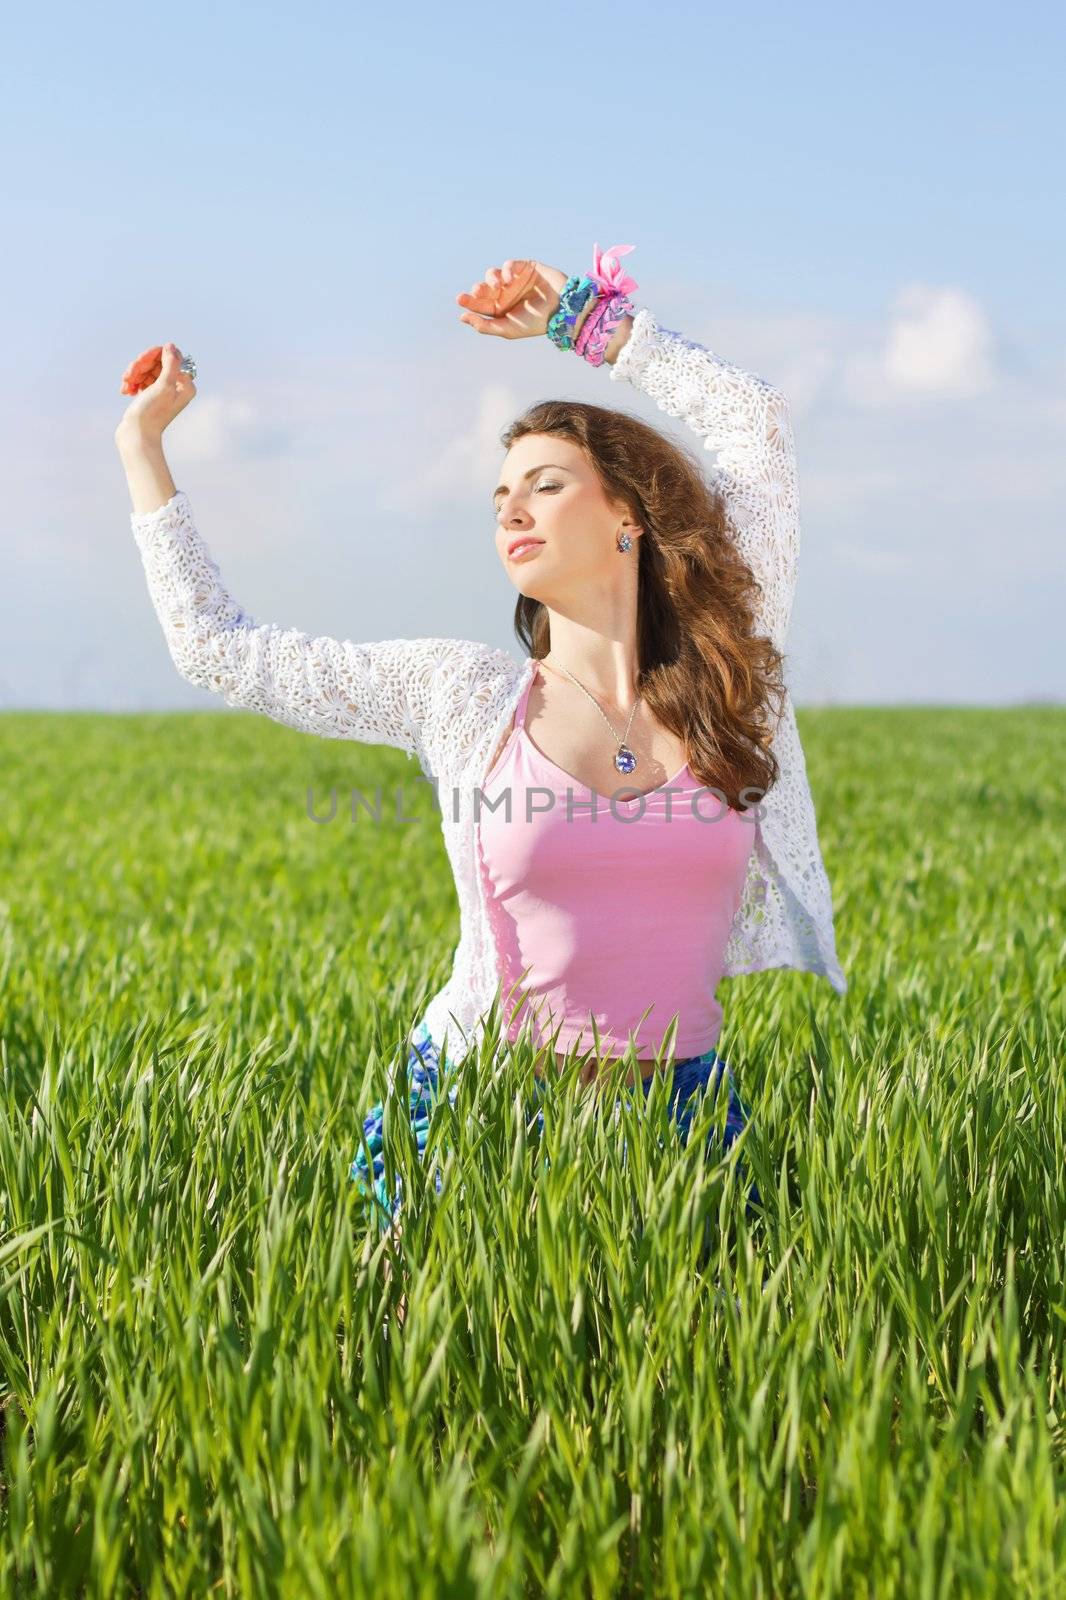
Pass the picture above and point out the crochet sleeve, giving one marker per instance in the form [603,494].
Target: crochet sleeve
[747,422]
[388,692]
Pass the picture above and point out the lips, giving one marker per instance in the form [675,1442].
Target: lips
[517,545]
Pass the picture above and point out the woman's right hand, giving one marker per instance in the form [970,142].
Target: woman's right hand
[159,388]
[514,301]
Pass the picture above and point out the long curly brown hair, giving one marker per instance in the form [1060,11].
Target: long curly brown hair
[703,672]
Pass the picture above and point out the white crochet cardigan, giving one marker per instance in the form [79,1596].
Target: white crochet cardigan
[447,702]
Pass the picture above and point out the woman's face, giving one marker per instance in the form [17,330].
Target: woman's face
[550,495]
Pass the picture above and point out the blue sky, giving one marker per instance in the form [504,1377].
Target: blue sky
[863,205]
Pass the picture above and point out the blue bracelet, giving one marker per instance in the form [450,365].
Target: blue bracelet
[576,293]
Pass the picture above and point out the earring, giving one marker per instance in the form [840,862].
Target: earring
[624,542]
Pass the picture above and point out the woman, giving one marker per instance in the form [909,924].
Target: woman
[627,814]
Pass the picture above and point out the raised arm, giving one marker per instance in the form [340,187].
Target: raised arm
[747,421]
[738,415]
[378,693]
[424,696]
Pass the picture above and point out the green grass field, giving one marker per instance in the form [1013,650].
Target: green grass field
[201,992]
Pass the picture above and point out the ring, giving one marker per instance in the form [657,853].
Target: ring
[188,365]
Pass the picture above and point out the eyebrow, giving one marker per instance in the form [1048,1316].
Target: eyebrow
[501,488]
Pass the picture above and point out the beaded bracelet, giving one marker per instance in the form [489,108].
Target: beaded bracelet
[575,296]
[599,325]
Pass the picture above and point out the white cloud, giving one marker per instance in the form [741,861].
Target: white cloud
[938,342]
[218,427]
[931,340]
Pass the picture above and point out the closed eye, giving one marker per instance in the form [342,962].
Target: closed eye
[537,491]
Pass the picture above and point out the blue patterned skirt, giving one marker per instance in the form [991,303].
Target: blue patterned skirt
[690,1076]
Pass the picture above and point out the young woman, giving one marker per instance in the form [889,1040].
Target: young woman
[626,810]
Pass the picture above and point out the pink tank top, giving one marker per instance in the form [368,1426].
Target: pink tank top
[622,915]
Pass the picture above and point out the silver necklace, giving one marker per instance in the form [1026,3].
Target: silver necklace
[625,760]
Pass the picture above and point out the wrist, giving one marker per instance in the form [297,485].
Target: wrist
[583,315]
[618,340]
[616,343]
[147,474]
[134,440]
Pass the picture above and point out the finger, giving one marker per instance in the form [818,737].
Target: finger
[492,277]
[480,324]
[172,359]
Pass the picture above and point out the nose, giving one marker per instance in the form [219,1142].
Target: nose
[513,520]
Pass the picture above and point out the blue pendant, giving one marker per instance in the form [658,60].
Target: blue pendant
[625,760]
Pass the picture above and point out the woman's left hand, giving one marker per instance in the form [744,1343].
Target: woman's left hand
[515,301]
